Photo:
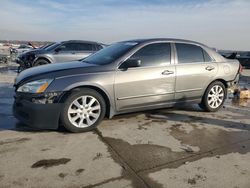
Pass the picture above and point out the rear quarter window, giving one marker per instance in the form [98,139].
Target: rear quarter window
[98,47]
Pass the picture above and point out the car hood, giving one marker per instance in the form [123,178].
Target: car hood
[51,68]
[30,52]
[37,51]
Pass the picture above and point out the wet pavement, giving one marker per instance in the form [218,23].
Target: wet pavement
[176,147]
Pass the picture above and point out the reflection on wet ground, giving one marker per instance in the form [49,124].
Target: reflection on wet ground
[241,102]
[234,99]
[9,69]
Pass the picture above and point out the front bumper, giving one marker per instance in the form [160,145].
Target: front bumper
[25,63]
[20,61]
[42,116]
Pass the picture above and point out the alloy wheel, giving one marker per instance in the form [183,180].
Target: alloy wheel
[84,111]
[215,96]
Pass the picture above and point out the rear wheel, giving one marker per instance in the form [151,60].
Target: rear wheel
[40,62]
[214,97]
[83,110]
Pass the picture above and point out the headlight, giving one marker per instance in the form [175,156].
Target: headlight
[38,86]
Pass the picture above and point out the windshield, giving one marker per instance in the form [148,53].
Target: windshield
[110,53]
[47,45]
[53,46]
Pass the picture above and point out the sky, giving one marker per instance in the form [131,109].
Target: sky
[223,24]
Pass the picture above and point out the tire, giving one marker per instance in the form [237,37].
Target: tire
[77,117]
[40,62]
[214,97]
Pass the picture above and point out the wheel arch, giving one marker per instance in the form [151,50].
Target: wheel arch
[109,109]
[42,58]
[224,82]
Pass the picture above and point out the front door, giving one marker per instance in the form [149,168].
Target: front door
[152,83]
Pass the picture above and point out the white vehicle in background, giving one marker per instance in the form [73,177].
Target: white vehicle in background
[15,52]
[21,49]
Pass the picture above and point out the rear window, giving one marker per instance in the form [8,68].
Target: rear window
[189,53]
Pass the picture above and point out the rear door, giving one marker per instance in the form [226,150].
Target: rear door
[194,70]
[150,84]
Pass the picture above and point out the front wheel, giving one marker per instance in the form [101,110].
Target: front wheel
[214,97]
[83,110]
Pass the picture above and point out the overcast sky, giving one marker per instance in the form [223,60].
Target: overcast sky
[224,24]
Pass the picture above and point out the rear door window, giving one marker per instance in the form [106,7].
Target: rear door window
[189,53]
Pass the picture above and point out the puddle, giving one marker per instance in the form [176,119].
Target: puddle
[144,159]
[208,132]
[9,70]
[234,100]
[241,102]
[46,163]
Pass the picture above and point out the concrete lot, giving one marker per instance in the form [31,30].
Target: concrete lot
[180,147]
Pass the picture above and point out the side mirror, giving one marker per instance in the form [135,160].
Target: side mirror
[130,63]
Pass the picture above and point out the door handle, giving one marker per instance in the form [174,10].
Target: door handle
[209,68]
[167,72]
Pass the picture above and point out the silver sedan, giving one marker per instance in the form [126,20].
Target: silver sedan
[124,77]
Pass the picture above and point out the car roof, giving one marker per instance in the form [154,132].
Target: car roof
[210,51]
[82,41]
[164,39]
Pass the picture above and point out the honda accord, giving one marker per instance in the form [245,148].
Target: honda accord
[124,77]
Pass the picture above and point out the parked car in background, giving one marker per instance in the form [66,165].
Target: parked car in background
[124,77]
[244,59]
[242,56]
[21,49]
[17,51]
[58,52]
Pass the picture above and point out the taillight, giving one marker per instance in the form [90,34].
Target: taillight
[240,69]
